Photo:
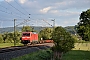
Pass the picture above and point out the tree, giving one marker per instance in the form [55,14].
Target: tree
[17,37]
[46,33]
[63,41]
[9,37]
[1,39]
[26,28]
[83,27]
[5,35]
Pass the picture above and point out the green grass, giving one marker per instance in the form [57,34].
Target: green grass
[77,55]
[3,45]
[39,55]
[80,52]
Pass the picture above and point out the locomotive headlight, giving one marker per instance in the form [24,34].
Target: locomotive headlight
[28,37]
[23,37]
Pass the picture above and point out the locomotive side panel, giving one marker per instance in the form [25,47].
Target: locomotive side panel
[34,38]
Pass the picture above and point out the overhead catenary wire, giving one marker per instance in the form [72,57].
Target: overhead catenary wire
[22,22]
[15,8]
[3,6]
[26,10]
[47,22]
[5,20]
[21,7]
[10,12]
[5,12]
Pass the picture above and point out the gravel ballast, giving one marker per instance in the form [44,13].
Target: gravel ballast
[17,53]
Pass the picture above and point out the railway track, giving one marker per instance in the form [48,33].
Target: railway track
[13,48]
[12,52]
[3,50]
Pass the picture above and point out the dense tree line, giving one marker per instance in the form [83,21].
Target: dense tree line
[8,37]
[46,33]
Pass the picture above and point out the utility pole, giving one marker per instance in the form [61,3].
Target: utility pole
[14,33]
[53,23]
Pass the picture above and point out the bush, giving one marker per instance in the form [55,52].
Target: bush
[63,40]
[39,55]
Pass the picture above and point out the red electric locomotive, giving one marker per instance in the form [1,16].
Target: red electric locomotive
[29,37]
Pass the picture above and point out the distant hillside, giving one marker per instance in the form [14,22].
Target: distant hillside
[11,29]
[70,29]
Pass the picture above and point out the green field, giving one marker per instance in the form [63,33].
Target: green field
[3,45]
[80,52]
[77,55]
[82,46]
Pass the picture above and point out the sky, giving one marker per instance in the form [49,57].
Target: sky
[41,12]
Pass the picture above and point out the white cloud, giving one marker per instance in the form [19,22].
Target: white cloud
[22,1]
[9,0]
[61,10]
[45,10]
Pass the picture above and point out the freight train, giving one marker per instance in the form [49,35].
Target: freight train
[32,37]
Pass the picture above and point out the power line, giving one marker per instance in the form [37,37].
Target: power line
[15,8]
[10,13]
[5,12]
[3,6]
[21,6]
[6,20]
[23,22]
[47,22]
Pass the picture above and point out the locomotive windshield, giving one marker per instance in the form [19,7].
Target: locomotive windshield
[26,34]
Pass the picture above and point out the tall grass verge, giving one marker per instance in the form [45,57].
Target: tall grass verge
[77,55]
[39,55]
